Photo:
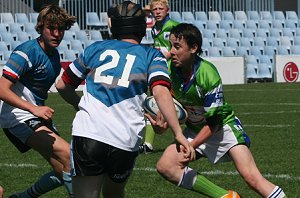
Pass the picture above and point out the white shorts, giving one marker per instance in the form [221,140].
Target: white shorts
[217,146]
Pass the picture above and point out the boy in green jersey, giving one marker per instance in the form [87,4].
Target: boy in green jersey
[160,33]
[212,127]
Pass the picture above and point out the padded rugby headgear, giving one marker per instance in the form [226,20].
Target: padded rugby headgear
[124,21]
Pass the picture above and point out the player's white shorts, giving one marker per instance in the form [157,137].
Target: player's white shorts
[217,146]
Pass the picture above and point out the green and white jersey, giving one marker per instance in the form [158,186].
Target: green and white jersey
[202,96]
[162,37]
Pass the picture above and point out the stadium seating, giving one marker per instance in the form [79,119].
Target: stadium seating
[258,34]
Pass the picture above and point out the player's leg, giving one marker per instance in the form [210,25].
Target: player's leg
[1,192]
[19,135]
[147,146]
[247,168]
[54,149]
[87,186]
[170,166]
[112,189]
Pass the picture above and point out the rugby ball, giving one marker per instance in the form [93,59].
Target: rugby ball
[151,107]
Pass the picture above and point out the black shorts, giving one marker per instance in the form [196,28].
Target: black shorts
[91,157]
[18,134]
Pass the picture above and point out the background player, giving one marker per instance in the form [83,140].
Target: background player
[27,76]
[108,127]
[212,127]
[160,33]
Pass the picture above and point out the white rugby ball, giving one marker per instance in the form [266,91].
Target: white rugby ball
[151,107]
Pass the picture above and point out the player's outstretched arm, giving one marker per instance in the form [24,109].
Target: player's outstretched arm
[166,106]
[68,93]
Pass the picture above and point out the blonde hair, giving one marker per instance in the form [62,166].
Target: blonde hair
[165,2]
[54,15]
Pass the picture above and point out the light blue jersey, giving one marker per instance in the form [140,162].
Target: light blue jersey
[33,73]
[117,76]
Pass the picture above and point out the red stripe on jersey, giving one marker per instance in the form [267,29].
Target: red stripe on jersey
[161,82]
[12,75]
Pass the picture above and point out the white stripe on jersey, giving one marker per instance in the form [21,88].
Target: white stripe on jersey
[160,59]
[158,73]
[78,73]
[218,100]
[10,70]
[25,57]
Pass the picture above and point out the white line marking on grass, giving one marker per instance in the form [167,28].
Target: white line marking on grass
[149,169]
[267,104]
[271,112]
[269,126]
[19,165]
[218,172]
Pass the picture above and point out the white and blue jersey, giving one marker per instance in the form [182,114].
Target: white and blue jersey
[33,72]
[118,75]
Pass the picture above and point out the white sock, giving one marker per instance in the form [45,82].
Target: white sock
[277,193]
[188,178]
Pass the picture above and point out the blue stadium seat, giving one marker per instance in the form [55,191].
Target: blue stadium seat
[7,17]
[264,72]
[253,15]
[278,23]
[272,41]
[96,35]
[221,33]
[266,15]
[33,17]
[227,16]
[199,24]
[81,35]
[214,16]
[76,46]
[228,51]
[238,24]
[187,17]
[266,24]
[262,32]
[225,24]
[21,18]
[276,32]
[259,41]
[278,15]
[214,51]
[232,42]
[201,16]
[251,24]
[242,51]
[93,20]
[147,39]
[213,25]
[283,50]
[175,15]
[291,15]
[251,72]
[69,55]
[240,15]
[285,41]
[246,41]
[218,42]
[23,36]
[295,50]
[234,33]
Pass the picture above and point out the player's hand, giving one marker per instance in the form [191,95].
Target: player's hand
[183,145]
[158,123]
[44,112]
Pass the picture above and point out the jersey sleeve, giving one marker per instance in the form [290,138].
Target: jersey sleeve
[212,88]
[158,71]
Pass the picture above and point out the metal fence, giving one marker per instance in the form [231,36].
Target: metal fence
[80,7]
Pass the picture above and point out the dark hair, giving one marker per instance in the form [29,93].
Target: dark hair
[190,33]
[127,18]
[54,15]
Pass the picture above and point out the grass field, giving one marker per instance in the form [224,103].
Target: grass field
[269,112]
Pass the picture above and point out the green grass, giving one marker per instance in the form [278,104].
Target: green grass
[269,112]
